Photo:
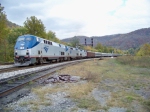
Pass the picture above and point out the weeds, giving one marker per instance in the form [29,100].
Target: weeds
[147,104]
[88,103]
[140,61]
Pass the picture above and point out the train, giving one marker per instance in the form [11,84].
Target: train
[31,50]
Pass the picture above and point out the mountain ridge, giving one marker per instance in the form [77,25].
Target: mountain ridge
[133,39]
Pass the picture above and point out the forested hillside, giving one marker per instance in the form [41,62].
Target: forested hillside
[121,41]
[12,25]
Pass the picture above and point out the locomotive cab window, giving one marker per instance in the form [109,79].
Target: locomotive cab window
[21,39]
[28,38]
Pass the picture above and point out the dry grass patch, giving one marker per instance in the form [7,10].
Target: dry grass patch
[77,91]
[86,70]
[41,93]
[123,99]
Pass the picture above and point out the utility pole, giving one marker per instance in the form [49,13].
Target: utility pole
[92,42]
[85,41]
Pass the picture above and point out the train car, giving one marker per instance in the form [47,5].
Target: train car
[98,54]
[30,49]
[90,54]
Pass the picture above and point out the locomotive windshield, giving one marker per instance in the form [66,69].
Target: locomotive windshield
[21,39]
[28,38]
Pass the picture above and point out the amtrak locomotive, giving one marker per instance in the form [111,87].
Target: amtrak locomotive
[30,49]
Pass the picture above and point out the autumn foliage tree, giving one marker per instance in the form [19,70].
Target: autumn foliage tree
[144,50]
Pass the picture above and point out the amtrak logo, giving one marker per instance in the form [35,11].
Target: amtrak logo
[46,48]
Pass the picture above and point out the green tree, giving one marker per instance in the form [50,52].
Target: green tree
[12,37]
[99,47]
[51,36]
[3,35]
[75,42]
[3,25]
[15,33]
[35,27]
[131,51]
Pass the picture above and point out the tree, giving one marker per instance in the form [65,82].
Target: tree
[90,48]
[3,35]
[3,24]
[131,51]
[51,36]
[35,27]
[144,50]
[74,42]
[99,47]
[15,33]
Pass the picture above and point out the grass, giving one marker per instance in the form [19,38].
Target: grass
[122,77]
[88,103]
[80,90]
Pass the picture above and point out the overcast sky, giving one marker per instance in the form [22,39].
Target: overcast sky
[68,18]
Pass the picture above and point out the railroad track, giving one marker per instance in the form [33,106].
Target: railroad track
[14,68]
[12,84]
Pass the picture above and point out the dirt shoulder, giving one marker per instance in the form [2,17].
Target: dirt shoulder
[104,86]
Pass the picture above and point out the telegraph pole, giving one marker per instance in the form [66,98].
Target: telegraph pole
[85,41]
[92,42]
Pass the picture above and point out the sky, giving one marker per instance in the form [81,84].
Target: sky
[69,18]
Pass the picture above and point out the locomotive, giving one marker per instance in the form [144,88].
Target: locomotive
[31,50]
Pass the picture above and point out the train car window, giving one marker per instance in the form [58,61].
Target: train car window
[44,41]
[62,53]
[21,39]
[51,43]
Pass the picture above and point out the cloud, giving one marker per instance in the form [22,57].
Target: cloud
[82,17]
